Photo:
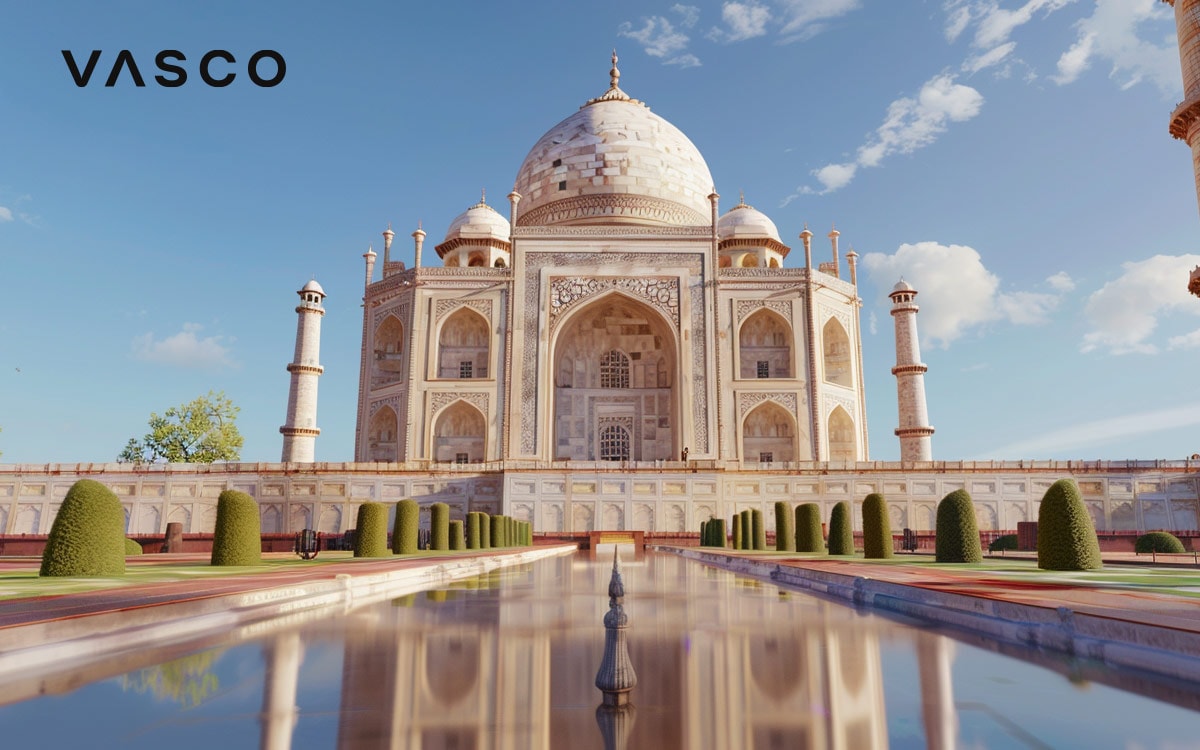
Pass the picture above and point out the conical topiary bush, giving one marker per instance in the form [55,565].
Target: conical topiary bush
[458,539]
[785,530]
[237,537]
[88,534]
[877,530]
[1066,537]
[439,525]
[841,535]
[404,529]
[957,534]
[808,528]
[760,530]
[371,537]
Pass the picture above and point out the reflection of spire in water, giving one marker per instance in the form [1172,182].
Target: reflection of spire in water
[934,656]
[616,676]
[615,724]
[280,714]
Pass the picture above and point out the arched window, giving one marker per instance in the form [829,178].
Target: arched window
[389,345]
[463,346]
[614,370]
[841,436]
[614,443]
[764,343]
[836,346]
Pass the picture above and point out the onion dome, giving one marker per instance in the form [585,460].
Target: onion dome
[746,237]
[746,221]
[313,286]
[480,235]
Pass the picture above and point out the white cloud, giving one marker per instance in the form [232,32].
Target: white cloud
[183,349]
[995,24]
[5,214]
[657,36]
[803,19]
[689,14]
[955,291]
[1061,282]
[686,60]
[958,18]
[1100,431]
[1186,341]
[873,323]
[1111,34]
[911,123]
[1124,312]
[992,57]
[744,21]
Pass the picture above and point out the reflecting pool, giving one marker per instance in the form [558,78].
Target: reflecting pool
[508,660]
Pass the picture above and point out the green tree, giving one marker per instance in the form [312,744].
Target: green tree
[1066,538]
[841,535]
[201,431]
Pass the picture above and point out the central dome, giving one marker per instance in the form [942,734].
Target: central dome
[614,161]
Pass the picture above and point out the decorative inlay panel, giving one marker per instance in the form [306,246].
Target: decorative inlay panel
[824,313]
[614,205]
[831,402]
[445,306]
[747,401]
[442,399]
[746,307]
[393,402]
[661,292]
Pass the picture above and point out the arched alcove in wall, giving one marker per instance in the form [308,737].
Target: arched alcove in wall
[765,346]
[459,434]
[835,346]
[389,344]
[382,435]
[463,351]
[769,434]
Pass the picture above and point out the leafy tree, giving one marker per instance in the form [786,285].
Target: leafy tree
[201,431]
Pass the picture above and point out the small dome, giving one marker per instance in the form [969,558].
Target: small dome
[902,286]
[746,221]
[313,286]
[479,222]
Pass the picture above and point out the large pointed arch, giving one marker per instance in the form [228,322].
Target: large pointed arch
[463,346]
[842,445]
[769,434]
[388,343]
[765,346]
[835,347]
[615,362]
[459,434]
[383,435]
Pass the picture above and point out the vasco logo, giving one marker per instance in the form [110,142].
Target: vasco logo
[177,75]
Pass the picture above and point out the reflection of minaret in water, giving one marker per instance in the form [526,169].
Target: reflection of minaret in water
[279,712]
[616,677]
[934,656]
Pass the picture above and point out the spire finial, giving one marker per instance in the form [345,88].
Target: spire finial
[741,197]
[418,223]
[614,75]
[483,195]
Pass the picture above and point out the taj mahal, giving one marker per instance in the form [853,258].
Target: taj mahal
[608,348]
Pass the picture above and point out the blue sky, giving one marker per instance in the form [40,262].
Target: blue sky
[1010,158]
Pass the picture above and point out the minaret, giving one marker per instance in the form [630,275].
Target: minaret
[914,430]
[418,243]
[300,432]
[1185,120]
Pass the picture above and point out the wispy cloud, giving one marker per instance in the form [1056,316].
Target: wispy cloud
[6,214]
[660,38]
[742,21]
[1125,312]
[1085,435]
[1061,282]
[1111,34]
[956,292]
[184,349]
[911,123]
[804,19]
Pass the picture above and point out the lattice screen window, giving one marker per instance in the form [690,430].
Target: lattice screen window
[614,370]
[466,369]
[766,457]
[614,443]
[460,458]
[764,368]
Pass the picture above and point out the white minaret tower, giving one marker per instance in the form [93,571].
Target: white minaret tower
[914,430]
[300,432]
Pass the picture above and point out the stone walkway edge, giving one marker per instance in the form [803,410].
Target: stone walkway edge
[1166,651]
[59,642]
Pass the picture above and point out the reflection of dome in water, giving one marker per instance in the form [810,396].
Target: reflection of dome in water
[614,161]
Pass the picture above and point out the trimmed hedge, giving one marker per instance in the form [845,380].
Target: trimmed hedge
[808,528]
[1003,543]
[877,530]
[458,539]
[704,534]
[237,539]
[132,548]
[371,537]
[404,529]
[737,530]
[718,533]
[498,531]
[1066,537]
[747,529]
[473,530]
[760,529]
[841,535]
[785,530]
[88,535]
[957,534]
[485,530]
[1158,541]
[439,525]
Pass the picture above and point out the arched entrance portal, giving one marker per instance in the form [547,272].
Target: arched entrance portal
[615,370]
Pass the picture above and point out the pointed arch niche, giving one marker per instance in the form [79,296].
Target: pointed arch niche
[459,434]
[463,346]
[841,436]
[615,363]
[381,435]
[769,434]
[389,346]
[765,346]
[836,347]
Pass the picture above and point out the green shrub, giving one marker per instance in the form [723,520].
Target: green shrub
[719,538]
[485,531]
[704,534]
[473,530]
[808,528]
[1158,541]
[737,530]
[237,539]
[785,533]
[841,535]
[957,534]
[747,529]
[404,530]
[458,539]
[1003,543]
[88,535]
[877,530]
[371,540]
[760,529]
[439,525]
[1066,537]
[498,531]
[132,548]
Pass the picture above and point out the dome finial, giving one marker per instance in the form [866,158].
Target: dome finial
[483,195]
[741,197]
[614,75]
